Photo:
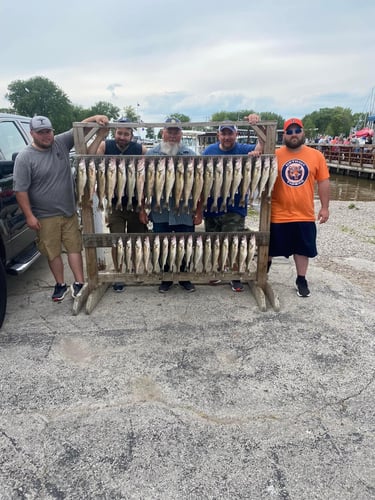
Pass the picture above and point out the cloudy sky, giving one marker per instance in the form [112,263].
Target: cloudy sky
[195,57]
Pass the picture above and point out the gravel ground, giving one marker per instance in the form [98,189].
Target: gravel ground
[346,243]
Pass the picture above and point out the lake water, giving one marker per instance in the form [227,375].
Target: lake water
[347,188]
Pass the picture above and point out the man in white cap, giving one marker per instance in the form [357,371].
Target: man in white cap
[45,192]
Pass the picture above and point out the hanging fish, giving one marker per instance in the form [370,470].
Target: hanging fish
[227,182]
[120,184]
[138,255]
[207,259]
[159,183]
[179,183]
[91,178]
[156,254]
[234,253]
[255,177]
[273,175]
[140,182]
[224,253]
[130,183]
[146,254]
[150,182]
[242,254]
[218,181]
[180,252]
[237,177]
[119,255]
[208,179]
[172,254]
[189,253]
[198,184]
[100,183]
[198,254]
[216,254]
[169,180]
[264,176]
[128,255]
[188,184]
[251,248]
[246,179]
[164,252]
[81,180]
[111,182]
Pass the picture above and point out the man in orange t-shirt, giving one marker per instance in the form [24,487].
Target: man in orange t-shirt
[293,228]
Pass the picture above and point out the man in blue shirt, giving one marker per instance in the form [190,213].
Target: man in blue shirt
[233,219]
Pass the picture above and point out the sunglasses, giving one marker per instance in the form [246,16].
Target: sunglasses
[291,131]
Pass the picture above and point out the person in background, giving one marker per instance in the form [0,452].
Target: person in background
[293,228]
[233,219]
[168,220]
[45,192]
[121,220]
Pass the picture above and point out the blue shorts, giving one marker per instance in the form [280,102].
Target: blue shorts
[289,238]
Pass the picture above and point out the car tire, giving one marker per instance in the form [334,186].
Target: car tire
[3,293]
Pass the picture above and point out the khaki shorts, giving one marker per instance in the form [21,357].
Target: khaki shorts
[125,221]
[57,232]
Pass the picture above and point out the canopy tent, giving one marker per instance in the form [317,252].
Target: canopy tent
[364,132]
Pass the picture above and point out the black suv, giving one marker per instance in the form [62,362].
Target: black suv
[17,242]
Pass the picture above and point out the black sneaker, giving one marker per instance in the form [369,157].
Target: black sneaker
[302,288]
[60,291]
[236,285]
[76,289]
[118,287]
[165,286]
[187,285]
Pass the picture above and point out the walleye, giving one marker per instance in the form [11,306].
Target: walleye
[140,182]
[189,253]
[159,183]
[246,179]
[251,247]
[224,253]
[188,184]
[198,252]
[164,252]
[198,184]
[228,176]
[264,176]
[237,177]
[138,255]
[179,183]
[172,254]
[91,178]
[207,260]
[218,180]
[208,179]
[234,253]
[150,181]
[130,183]
[215,254]
[273,175]
[169,180]
[146,254]
[243,254]
[100,182]
[156,254]
[111,182]
[121,181]
[119,255]
[180,252]
[255,177]
[81,180]
[128,255]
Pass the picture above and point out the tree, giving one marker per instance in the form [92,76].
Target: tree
[104,108]
[234,116]
[180,116]
[130,113]
[272,117]
[150,133]
[41,96]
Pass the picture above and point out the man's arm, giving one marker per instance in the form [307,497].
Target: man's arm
[323,193]
[23,201]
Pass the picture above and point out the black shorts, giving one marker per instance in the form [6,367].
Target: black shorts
[289,238]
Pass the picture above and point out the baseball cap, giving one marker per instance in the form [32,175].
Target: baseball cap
[292,121]
[124,119]
[228,125]
[40,123]
[173,123]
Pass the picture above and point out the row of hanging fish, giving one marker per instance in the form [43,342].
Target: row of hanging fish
[155,181]
[201,253]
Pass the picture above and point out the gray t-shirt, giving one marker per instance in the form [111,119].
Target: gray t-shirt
[47,177]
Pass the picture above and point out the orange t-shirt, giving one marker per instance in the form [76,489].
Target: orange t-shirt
[293,192]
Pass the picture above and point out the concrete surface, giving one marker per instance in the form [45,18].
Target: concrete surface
[189,396]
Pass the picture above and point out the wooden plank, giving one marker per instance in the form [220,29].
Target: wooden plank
[79,301]
[272,297]
[267,123]
[259,296]
[154,278]
[94,297]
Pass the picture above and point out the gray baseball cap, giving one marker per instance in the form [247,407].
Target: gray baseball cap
[40,123]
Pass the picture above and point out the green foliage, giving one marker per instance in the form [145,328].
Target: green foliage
[330,121]
[150,133]
[40,96]
[130,113]
[104,108]
[180,116]
[234,116]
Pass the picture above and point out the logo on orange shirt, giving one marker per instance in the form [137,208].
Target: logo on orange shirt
[294,172]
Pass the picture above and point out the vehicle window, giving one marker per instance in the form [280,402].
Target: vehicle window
[26,127]
[11,140]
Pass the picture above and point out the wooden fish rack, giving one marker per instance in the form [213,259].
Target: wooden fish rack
[99,277]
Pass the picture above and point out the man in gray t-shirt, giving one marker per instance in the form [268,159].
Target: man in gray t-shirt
[45,192]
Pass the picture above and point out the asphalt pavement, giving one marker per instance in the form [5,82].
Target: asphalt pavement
[189,396]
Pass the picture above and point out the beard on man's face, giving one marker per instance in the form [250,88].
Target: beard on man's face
[294,142]
[169,148]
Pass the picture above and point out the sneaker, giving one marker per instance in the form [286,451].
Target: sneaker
[165,286]
[118,287]
[60,291]
[187,285]
[76,289]
[302,288]
[236,285]
[214,282]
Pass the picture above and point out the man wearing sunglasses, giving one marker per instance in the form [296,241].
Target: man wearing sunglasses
[293,228]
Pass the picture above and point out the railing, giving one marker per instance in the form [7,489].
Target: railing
[351,155]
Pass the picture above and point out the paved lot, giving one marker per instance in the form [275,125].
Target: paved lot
[189,396]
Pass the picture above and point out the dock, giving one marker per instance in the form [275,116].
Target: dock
[357,161]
